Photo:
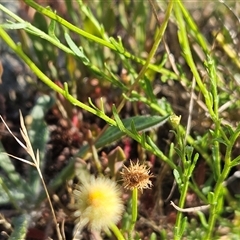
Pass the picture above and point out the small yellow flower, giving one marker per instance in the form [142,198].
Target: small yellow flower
[136,176]
[98,203]
[175,120]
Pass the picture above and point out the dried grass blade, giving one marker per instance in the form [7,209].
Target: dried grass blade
[21,159]
[25,136]
[19,142]
[192,209]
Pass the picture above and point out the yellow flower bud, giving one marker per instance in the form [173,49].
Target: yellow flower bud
[175,120]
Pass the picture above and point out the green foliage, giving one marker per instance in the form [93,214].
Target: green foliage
[23,194]
[21,227]
[90,48]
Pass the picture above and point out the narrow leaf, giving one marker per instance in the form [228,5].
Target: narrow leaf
[14,25]
[118,120]
[177,177]
[75,49]
[7,166]
[20,227]
[51,30]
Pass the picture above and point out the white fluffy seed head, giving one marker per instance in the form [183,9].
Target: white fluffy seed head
[98,203]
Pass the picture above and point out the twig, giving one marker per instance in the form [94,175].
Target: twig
[192,209]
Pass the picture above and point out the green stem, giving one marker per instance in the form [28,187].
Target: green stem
[134,209]
[35,31]
[86,10]
[183,39]
[183,190]
[116,232]
[17,49]
[150,55]
[201,40]
[216,206]
[214,83]
[67,24]
[103,42]
[187,164]
[157,40]
[163,112]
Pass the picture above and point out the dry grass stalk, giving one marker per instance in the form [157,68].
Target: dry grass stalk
[36,160]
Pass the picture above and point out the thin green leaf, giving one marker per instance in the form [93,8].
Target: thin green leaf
[133,128]
[211,198]
[51,30]
[141,123]
[183,227]
[118,120]
[179,152]
[14,25]
[203,220]
[117,45]
[8,194]
[75,49]
[92,104]
[149,90]
[193,165]
[177,177]
[143,139]
[7,166]
[189,152]
[20,227]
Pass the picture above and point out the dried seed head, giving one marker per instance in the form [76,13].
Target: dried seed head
[136,176]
